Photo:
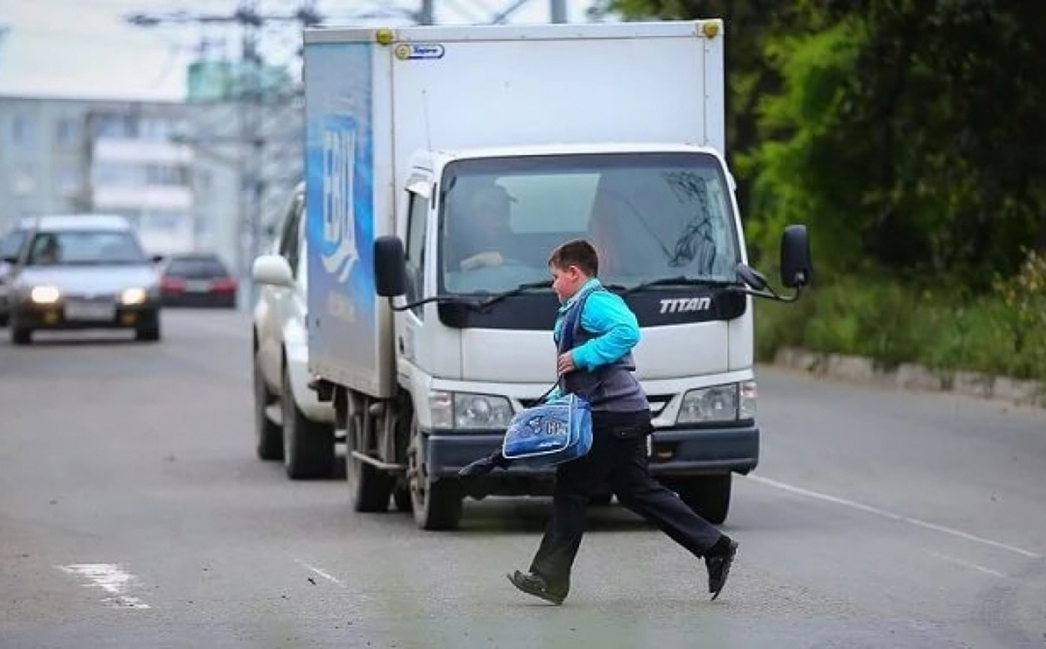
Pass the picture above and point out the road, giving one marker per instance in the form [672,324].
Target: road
[133,513]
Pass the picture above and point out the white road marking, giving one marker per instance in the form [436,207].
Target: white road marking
[967,564]
[892,516]
[111,578]
[321,573]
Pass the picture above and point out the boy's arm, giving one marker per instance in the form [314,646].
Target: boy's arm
[615,327]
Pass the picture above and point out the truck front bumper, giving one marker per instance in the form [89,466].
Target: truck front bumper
[673,452]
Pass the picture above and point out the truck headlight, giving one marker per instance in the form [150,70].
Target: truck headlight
[469,411]
[730,402]
[44,294]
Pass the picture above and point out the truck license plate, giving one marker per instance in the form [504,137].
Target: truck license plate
[89,311]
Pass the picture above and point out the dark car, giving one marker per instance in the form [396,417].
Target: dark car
[198,279]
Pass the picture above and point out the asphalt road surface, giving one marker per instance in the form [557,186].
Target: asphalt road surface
[133,513]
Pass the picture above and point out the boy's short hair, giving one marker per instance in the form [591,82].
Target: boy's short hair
[578,253]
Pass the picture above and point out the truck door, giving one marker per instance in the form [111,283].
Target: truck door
[415,237]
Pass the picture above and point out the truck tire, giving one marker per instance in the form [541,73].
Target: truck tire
[268,435]
[369,486]
[308,446]
[707,495]
[437,504]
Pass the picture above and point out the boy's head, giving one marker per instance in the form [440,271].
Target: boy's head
[572,264]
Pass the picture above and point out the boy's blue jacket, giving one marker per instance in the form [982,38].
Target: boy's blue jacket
[606,316]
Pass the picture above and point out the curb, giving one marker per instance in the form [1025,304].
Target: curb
[909,376]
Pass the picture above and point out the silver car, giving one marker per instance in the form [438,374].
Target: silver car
[82,272]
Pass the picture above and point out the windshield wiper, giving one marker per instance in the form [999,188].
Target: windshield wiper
[677,281]
[476,301]
[522,288]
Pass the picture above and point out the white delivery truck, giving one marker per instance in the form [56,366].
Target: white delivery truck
[610,132]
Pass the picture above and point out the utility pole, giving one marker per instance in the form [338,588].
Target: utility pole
[250,95]
[558,11]
[427,14]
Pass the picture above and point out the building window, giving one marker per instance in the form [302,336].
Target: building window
[155,130]
[164,221]
[116,126]
[23,131]
[69,182]
[115,174]
[23,182]
[167,175]
[67,133]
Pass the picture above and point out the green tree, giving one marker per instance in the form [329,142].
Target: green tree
[915,125]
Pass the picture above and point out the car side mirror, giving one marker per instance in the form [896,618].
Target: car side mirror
[390,266]
[157,258]
[10,259]
[272,270]
[795,257]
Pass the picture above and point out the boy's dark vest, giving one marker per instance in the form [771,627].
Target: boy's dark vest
[607,388]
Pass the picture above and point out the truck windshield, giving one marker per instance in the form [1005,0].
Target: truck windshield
[650,215]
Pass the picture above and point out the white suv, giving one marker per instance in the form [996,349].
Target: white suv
[291,423]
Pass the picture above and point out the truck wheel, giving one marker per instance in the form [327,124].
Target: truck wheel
[707,495]
[308,446]
[369,486]
[268,435]
[436,503]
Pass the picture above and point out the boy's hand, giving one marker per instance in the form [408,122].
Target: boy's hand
[565,363]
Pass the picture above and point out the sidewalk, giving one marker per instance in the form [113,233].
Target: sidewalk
[915,377]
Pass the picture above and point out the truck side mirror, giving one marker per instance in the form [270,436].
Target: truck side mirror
[390,269]
[795,257]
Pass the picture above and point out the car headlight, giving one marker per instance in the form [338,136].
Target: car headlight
[131,296]
[469,411]
[44,294]
[730,402]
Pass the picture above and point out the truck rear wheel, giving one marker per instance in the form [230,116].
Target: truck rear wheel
[369,486]
[707,495]
[436,503]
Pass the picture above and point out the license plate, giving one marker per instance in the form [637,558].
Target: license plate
[198,286]
[89,311]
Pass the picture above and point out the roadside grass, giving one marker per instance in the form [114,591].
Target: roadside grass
[1002,332]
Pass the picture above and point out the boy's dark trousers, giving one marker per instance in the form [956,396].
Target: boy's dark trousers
[618,458]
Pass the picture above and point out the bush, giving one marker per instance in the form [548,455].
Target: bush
[1002,332]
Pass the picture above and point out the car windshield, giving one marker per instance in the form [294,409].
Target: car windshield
[650,216]
[85,247]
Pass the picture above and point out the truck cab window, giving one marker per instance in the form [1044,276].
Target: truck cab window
[417,220]
[649,215]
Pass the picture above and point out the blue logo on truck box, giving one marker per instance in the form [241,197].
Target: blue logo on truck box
[339,252]
[339,200]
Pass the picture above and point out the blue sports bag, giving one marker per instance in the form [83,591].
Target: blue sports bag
[550,433]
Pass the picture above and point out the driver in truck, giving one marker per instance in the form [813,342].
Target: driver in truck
[480,235]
